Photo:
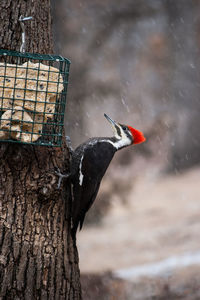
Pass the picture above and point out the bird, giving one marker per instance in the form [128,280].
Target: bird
[89,162]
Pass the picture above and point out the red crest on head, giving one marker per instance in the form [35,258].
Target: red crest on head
[138,136]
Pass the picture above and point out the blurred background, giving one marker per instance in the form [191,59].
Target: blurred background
[139,62]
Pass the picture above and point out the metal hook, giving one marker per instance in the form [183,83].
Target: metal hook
[21,20]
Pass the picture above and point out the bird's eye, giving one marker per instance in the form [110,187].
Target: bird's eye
[124,128]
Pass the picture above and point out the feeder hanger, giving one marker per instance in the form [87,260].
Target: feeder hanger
[21,20]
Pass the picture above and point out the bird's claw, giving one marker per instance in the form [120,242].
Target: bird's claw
[61,176]
[68,140]
[69,144]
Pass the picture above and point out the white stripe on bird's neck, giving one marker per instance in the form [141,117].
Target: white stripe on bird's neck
[122,142]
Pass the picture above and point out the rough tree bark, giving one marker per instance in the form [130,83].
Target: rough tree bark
[38,258]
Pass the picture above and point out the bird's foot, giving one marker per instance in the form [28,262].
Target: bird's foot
[69,144]
[61,176]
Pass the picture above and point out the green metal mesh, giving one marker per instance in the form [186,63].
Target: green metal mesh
[33,89]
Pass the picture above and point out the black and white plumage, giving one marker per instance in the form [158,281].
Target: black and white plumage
[89,163]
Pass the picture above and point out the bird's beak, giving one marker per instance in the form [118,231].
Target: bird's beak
[113,123]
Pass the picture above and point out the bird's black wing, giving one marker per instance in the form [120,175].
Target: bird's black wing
[94,161]
[82,213]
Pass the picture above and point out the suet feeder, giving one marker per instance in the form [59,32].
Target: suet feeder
[33,90]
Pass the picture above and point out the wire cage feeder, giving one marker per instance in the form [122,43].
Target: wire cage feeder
[33,90]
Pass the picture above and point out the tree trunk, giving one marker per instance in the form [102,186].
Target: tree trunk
[38,258]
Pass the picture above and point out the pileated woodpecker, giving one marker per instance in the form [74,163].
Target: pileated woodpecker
[89,163]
